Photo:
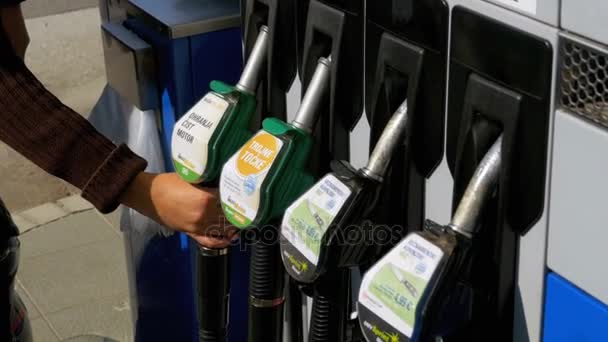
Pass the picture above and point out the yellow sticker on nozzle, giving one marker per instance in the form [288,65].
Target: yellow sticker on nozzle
[243,176]
[257,155]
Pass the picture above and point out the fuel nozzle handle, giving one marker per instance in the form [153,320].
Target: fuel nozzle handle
[308,111]
[255,64]
[478,191]
[391,137]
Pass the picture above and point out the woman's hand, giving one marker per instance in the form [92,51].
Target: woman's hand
[181,206]
[14,26]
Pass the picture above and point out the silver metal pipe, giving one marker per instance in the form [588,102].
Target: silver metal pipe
[479,189]
[255,64]
[391,137]
[308,112]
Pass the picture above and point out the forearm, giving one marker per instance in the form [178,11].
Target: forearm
[60,141]
[138,195]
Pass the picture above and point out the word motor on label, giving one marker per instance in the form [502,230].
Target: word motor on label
[185,135]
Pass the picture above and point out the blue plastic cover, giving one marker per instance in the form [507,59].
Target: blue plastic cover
[573,315]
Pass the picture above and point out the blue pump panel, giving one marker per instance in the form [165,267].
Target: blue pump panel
[194,43]
[573,315]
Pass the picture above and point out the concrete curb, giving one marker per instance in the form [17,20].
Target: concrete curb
[50,212]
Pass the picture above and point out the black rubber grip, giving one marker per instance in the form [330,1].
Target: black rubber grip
[265,324]
[213,292]
[321,328]
[266,281]
[330,307]
[267,275]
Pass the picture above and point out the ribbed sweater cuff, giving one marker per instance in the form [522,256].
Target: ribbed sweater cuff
[113,177]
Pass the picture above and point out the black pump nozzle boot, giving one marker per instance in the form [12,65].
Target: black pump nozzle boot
[323,232]
[420,280]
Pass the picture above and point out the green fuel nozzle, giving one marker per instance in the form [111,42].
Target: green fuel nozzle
[269,171]
[203,139]
[404,292]
[256,185]
[337,202]
[211,131]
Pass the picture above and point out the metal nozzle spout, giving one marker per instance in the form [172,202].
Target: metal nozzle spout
[479,189]
[255,64]
[391,137]
[307,113]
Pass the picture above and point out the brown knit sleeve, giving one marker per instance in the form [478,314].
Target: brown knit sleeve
[37,125]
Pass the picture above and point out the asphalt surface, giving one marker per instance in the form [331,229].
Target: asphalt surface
[66,55]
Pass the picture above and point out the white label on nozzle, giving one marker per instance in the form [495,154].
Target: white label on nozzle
[192,134]
[393,287]
[308,218]
[528,6]
[243,176]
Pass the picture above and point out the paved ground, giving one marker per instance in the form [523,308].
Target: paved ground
[72,275]
[66,54]
[41,8]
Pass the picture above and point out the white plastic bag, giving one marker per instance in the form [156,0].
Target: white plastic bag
[122,122]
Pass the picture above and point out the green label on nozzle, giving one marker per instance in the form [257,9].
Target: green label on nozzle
[192,134]
[395,286]
[309,217]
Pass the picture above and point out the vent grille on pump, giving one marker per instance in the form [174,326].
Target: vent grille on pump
[584,81]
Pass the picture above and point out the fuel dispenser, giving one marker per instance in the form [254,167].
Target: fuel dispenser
[157,58]
[406,54]
[402,295]
[451,283]
[576,289]
[333,27]
[212,131]
[279,16]
[558,293]
[324,36]
[317,232]
[493,91]
[394,30]
[282,65]
[203,139]
[206,136]
[262,177]
[482,276]
[402,64]
[336,28]
[257,184]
